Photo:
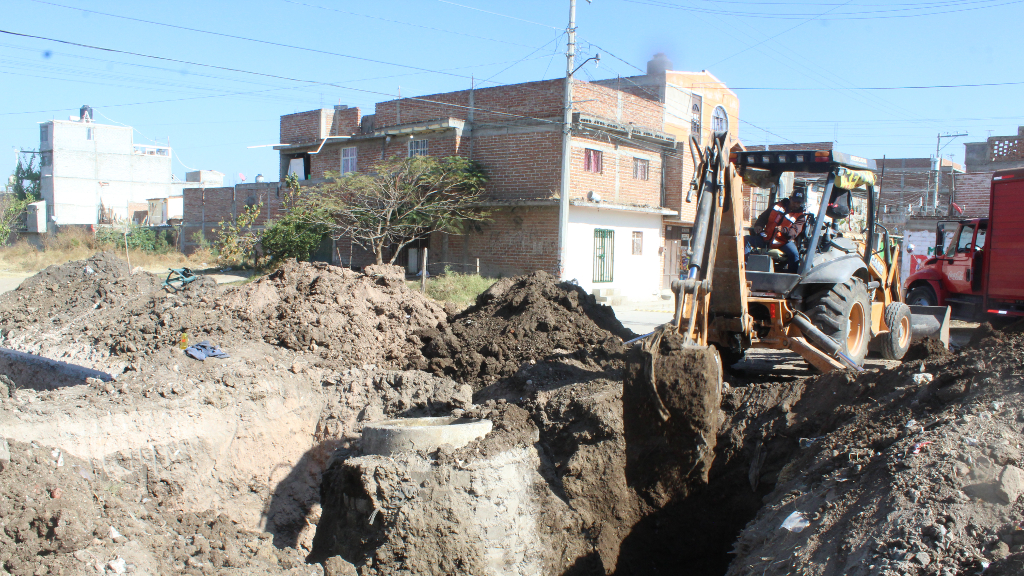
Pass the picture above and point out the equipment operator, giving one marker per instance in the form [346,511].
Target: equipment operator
[778,228]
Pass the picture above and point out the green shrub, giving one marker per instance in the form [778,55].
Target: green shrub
[294,236]
[454,287]
[139,238]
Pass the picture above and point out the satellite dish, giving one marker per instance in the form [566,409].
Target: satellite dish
[719,122]
[241,177]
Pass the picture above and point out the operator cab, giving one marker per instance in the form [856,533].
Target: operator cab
[822,239]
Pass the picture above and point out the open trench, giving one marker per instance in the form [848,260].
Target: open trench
[577,476]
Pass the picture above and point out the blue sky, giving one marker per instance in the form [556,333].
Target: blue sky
[359,53]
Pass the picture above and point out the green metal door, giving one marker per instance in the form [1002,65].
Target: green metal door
[604,247]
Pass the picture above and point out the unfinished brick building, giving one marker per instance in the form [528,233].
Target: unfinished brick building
[628,221]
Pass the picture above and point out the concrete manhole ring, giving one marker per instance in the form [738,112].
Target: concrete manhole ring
[406,434]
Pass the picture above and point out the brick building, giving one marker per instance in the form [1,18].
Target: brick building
[628,221]
[981,160]
[913,188]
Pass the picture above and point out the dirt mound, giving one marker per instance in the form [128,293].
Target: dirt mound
[926,349]
[341,315]
[896,472]
[63,515]
[523,319]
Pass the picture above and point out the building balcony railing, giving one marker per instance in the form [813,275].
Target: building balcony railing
[144,150]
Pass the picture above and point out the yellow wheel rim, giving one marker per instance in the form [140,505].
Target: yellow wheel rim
[855,338]
[904,331]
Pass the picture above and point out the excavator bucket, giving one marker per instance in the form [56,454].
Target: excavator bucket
[671,400]
[930,322]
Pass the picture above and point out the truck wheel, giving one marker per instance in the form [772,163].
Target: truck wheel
[844,313]
[921,296]
[894,343]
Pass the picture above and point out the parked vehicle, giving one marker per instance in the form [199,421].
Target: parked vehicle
[977,264]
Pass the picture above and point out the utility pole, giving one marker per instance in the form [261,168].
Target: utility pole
[563,200]
[938,167]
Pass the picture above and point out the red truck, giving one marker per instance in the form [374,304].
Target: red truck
[978,268]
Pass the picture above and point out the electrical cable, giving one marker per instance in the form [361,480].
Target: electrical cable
[406,23]
[267,75]
[499,14]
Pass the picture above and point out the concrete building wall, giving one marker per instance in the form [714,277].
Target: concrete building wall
[94,172]
[637,276]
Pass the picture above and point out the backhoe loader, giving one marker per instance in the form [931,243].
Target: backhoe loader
[844,298]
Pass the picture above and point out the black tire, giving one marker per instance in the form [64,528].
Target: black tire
[921,296]
[832,311]
[894,343]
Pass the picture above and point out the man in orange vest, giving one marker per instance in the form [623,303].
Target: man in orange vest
[778,228]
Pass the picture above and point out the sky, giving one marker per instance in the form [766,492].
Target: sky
[213,78]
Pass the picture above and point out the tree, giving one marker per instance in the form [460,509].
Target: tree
[398,202]
[236,239]
[299,232]
[22,189]
[25,180]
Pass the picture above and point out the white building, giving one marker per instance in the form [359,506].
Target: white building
[96,173]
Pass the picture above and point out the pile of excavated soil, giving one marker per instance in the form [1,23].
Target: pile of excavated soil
[63,515]
[94,313]
[524,319]
[913,471]
[246,437]
[345,316]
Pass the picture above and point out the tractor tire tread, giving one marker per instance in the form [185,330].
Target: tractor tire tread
[828,310]
[889,343]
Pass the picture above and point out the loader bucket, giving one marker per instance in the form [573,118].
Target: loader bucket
[930,322]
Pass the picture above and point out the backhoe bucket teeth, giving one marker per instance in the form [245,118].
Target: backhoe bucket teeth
[930,322]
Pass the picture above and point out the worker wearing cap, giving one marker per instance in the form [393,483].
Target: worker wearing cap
[778,228]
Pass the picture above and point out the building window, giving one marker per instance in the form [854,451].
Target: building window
[604,248]
[638,243]
[348,160]
[45,160]
[418,148]
[641,169]
[592,160]
[44,133]
[88,134]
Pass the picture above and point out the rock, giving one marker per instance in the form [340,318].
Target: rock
[338,566]
[1011,484]
[923,558]
[5,454]
[1000,551]
[117,565]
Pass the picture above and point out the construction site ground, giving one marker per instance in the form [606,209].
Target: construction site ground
[121,454]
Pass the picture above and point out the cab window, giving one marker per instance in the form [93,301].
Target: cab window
[979,242]
[963,240]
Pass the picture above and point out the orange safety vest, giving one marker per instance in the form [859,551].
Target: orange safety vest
[778,221]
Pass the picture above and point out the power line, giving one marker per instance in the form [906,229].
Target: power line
[864,15]
[406,23]
[499,14]
[236,37]
[267,75]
